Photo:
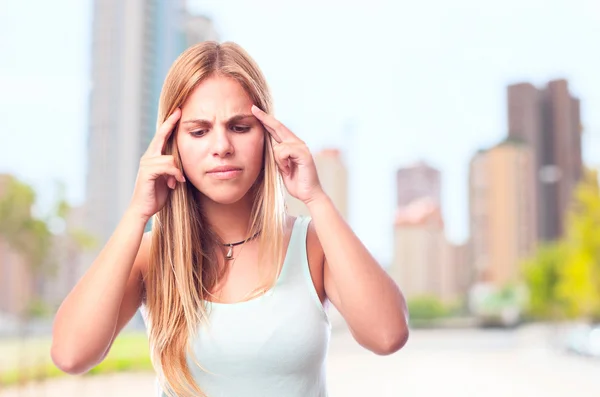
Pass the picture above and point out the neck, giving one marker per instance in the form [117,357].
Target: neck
[229,221]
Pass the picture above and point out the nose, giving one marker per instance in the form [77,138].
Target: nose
[222,145]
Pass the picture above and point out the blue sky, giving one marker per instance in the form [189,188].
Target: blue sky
[390,82]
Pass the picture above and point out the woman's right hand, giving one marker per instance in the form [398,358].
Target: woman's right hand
[157,174]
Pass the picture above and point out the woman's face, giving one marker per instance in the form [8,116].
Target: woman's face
[219,140]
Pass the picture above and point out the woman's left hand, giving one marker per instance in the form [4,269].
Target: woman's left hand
[293,158]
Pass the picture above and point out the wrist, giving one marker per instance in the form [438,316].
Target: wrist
[318,200]
[136,217]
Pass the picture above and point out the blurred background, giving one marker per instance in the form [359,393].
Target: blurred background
[460,139]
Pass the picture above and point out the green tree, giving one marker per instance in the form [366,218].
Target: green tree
[542,275]
[25,234]
[22,231]
[563,277]
[579,281]
[32,237]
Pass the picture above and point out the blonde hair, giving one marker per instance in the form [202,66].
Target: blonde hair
[183,266]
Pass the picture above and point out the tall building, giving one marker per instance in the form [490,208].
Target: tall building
[425,263]
[333,176]
[420,249]
[502,211]
[548,119]
[134,44]
[418,181]
[456,273]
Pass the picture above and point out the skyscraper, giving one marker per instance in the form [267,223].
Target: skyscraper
[502,211]
[420,248]
[417,181]
[456,273]
[425,262]
[548,119]
[134,43]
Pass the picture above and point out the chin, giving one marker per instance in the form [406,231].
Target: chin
[225,196]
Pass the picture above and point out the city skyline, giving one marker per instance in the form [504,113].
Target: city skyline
[451,85]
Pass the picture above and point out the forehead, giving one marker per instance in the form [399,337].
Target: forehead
[217,96]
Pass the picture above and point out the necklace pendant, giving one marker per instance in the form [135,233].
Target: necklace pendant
[229,255]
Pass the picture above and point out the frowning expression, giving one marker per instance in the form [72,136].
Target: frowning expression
[220,142]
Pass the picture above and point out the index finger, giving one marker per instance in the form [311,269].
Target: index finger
[163,132]
[277,130]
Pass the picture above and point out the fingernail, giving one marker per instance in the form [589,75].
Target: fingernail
[254,107]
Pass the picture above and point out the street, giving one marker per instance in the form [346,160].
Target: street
[461,362]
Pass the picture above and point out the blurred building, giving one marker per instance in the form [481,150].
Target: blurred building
[17,285]
[417,181]
[502,211]
[424,262]
[333,176]
[67,254]
[199,28]
[456,273]
[134,44]
[420,248]
[548,119]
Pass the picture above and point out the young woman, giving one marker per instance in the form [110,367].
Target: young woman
[232,288]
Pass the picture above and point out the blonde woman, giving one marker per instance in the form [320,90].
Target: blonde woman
[232,288]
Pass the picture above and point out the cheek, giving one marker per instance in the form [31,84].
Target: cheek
[183,150]
[189,153]
[257,151]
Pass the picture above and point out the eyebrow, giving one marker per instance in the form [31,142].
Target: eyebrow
[234,119]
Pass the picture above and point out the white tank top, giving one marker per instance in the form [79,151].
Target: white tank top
[271,346]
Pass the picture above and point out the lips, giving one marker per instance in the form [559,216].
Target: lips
[224,168]
[225,172]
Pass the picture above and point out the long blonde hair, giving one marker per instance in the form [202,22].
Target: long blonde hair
[183,267]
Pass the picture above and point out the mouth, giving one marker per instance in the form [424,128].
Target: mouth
[225,172]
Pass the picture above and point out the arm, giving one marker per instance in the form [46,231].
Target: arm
[108,295]
[102,302]
[368,299]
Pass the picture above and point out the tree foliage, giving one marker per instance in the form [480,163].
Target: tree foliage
[564,277]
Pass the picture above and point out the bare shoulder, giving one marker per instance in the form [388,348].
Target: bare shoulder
[315,250]
[316,259]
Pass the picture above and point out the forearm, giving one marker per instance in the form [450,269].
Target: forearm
[369,299]
[85,322]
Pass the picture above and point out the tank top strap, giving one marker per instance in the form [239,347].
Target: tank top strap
[295,257]
[296,269]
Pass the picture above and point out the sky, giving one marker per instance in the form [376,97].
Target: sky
[388,82]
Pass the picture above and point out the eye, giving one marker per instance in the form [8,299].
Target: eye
[198,133]
[240,128]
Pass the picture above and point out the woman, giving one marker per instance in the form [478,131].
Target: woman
[232,288]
